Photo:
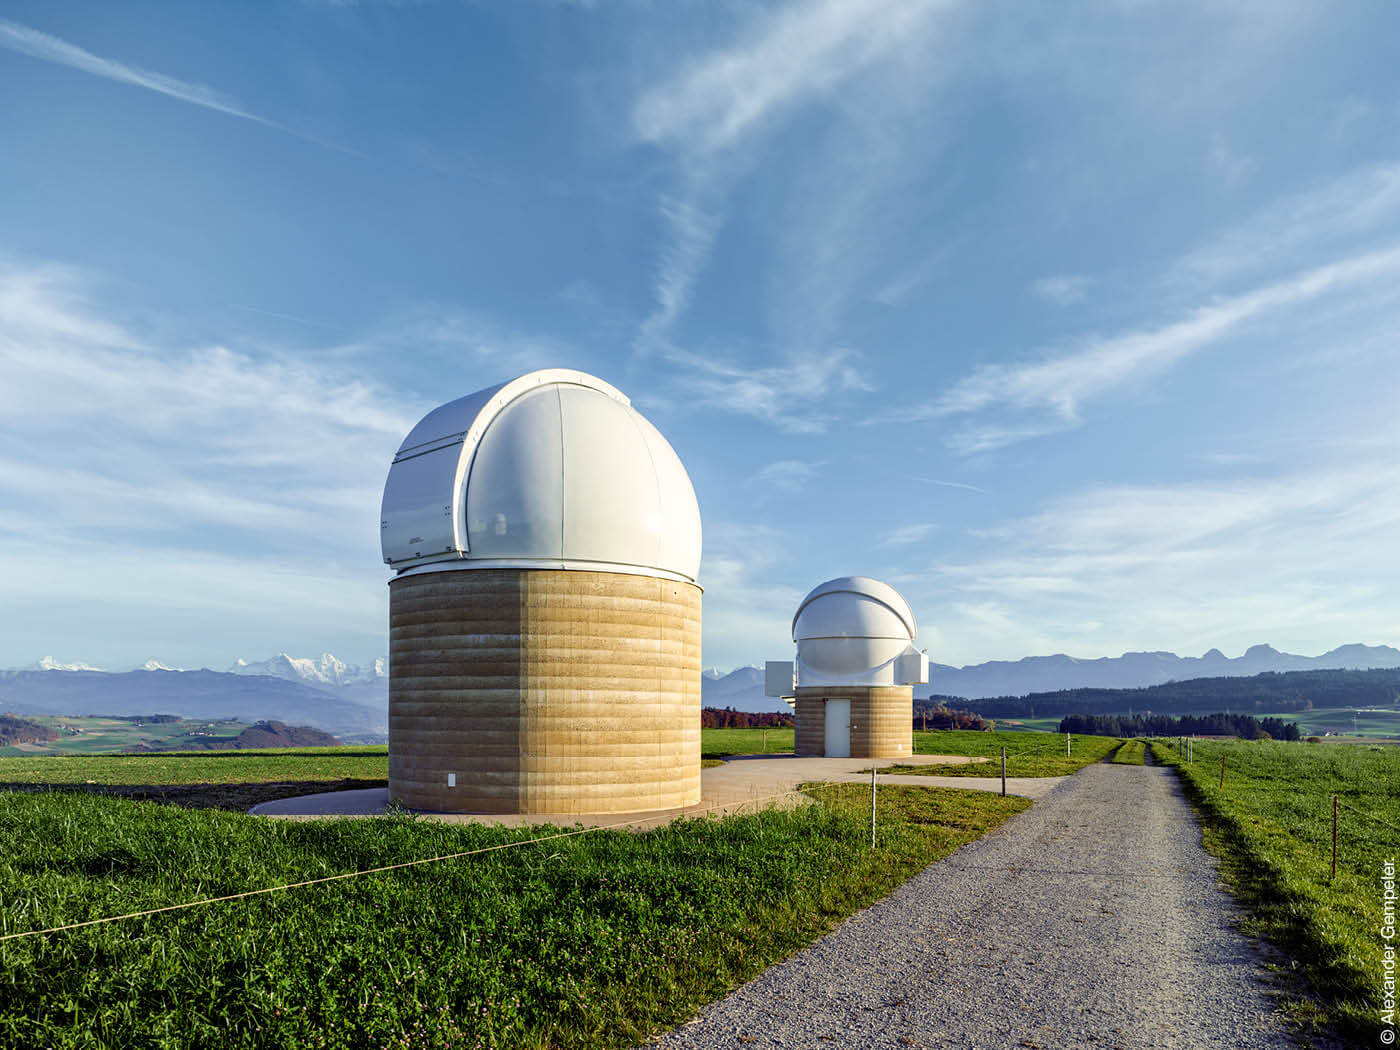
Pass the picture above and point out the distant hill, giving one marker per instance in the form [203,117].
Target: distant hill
[743,689]
[278,734]
[206,694]
[1272,692]
[16,730]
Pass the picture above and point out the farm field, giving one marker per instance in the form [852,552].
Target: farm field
[595,940]
[234,780]
[1271,825]
[1339,721]
[1027,754]
[717,743]
[88,735]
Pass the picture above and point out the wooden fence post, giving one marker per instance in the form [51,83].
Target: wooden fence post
[1003,772]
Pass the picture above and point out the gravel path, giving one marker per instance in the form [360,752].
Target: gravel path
[1093,919]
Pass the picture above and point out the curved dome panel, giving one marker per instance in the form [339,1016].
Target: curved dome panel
[853,630]
[854,607]
[555,469]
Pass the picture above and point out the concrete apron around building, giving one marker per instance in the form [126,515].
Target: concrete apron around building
[741,783]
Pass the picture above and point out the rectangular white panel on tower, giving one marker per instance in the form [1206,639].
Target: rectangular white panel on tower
[777,678]
[911,667]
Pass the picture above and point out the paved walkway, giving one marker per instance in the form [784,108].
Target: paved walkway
[1093,919]
[740,783]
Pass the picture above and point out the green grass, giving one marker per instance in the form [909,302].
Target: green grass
[717,743]
[1271,826]
[201,767]
[1027,754]
[592,941]
[1132,753]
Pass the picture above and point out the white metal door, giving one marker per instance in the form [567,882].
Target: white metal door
[838,729]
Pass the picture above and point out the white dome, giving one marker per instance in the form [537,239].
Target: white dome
[555,469]
[853,630]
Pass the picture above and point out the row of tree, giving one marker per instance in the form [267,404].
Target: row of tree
[728,718]
[1271,691]
[931,715]
[1246,727]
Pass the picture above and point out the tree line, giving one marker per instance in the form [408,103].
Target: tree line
[1271,691]
[728,718]
[1247,727]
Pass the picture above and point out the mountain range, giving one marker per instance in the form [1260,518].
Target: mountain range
[327,693]
[352,701]
[743,689]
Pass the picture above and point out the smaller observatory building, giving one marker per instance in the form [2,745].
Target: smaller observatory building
[852,683]
[544,619]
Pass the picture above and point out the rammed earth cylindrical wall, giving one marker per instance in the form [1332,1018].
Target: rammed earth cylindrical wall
[882,719]
[543,691]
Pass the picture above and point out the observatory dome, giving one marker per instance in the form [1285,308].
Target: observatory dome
[854,630]
[553,470]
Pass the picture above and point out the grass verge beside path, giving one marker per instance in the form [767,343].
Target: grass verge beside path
[591,941]
[1027,754]
[1271,827]
[1132,753]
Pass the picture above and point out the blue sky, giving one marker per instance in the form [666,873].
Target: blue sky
[1077,324]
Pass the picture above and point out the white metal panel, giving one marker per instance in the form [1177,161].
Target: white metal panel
[845,615]
[911,668]
[872,589]
[592,484]
[777,678]
[854,660]
[612,503]
[451,419]
[514,491]
[680,539]
[838,729]
[416,517]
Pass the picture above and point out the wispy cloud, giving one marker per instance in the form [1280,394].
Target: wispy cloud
[1053,390]
[907,534]
[784,475]
[1278,558]
[1063,289]
[950,484]
[1229,167]
[1359,203]
[804,50]
[791,396]
[50,48]
[712,118]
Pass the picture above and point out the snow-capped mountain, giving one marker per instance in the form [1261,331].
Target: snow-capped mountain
[327,670]
[48,663]
[156,665]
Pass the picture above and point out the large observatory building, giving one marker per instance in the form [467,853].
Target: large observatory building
[544,620]
[852,683]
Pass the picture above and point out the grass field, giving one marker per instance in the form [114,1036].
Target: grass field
[1345,721]
[1132,753]
[1027,754]
[89,735]
[1271,825]
[716,743]
[591,941]
[201,767]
